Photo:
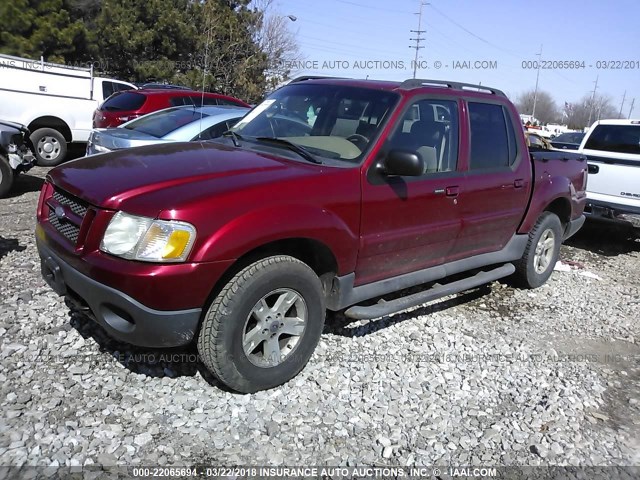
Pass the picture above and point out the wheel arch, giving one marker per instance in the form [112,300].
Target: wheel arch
[55,123]
[314,253]
[562,208]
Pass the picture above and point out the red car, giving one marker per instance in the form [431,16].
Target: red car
[242,243]
[129,104]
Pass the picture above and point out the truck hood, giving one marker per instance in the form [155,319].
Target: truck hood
[108,180]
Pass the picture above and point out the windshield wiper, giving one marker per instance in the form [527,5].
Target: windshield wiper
[235,137]
[291,146]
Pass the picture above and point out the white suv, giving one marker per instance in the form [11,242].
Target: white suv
[612,148]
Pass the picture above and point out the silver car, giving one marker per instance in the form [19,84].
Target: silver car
[176,124]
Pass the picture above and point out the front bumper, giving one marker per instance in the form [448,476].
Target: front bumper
[123,317]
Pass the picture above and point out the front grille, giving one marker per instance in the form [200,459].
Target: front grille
[76,205]
[65,227]
[69,228]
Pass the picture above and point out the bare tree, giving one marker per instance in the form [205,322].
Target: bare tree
[546,109]
[277,41]
[588,109]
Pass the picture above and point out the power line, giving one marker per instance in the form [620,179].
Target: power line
[419,38]
[474,35]
[370,7]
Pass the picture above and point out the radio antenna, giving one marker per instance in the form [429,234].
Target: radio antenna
[204,78]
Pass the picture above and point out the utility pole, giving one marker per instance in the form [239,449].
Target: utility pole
[593,98]
[622,104]
[535,94]
[419,38]
[631,109]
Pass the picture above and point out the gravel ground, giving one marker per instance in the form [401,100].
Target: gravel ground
[496,376]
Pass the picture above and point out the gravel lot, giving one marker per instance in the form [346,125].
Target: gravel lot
[496,376]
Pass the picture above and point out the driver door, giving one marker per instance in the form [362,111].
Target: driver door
[411,223]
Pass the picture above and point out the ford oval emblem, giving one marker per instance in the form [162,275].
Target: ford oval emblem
[60,213]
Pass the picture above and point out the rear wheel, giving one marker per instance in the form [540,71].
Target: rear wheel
[6,176]
[50,146]
[541,253]
[262,328]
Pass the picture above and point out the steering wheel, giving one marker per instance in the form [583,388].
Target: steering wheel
[358,140]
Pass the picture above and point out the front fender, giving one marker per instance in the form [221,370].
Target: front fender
[262,226]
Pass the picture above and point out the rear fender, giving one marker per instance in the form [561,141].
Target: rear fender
[547,190]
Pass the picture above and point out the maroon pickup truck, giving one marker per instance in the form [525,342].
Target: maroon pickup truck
[329,193]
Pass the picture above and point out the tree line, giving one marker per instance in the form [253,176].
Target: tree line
[576,115]
[235,47]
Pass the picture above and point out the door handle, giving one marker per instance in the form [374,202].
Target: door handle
[452,191]
[518,183]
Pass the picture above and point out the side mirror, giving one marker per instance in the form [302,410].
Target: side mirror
[402,163]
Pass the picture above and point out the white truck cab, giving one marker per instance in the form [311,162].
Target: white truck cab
[56,102]
[612,148]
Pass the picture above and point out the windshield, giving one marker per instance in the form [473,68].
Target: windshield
[161,124]
[330,121]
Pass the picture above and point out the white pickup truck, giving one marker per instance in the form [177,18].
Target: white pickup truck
[55,102]
[612,148]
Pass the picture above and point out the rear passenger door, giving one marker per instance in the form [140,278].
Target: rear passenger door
[411,223]
[496,188]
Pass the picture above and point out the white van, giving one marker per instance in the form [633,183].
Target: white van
[612,148]
[55,102]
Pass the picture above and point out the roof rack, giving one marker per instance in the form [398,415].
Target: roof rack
[419,82]
[313,77]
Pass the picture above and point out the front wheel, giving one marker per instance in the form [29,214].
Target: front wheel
[50,146]
[262,328]
[541,253]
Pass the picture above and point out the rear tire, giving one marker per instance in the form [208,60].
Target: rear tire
[262,328]
[6,176]
[50,147]
[541,254]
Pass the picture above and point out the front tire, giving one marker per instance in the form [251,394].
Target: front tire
[541,254]
[261,329]
[50,147]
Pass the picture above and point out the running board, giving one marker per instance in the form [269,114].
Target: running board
[383,308]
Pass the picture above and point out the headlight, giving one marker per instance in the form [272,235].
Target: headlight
[146,239]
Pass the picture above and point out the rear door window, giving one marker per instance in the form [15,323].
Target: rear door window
[492,139]
[615,138]
[107,89]
[224,101]
[178,101]
[124,101]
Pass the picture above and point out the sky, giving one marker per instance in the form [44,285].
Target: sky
[490,42]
